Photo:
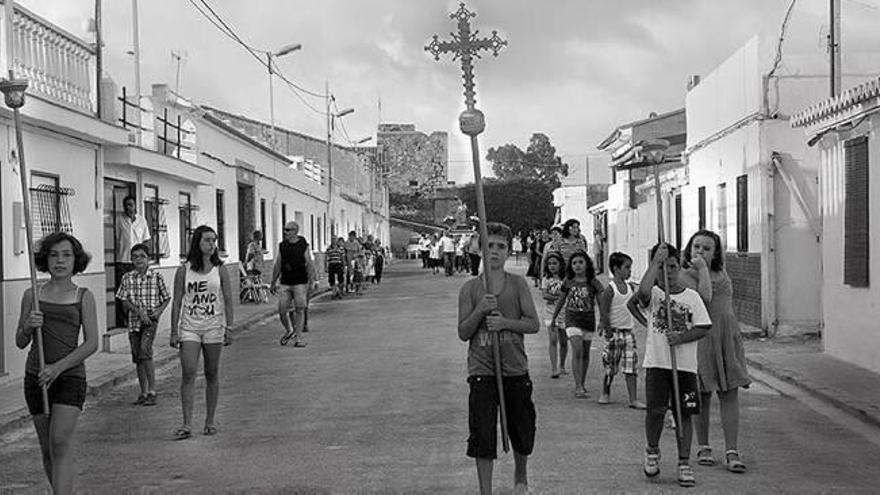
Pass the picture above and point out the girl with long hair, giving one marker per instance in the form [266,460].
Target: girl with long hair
[551,290]
[721,357]
[200,316]
[580,292]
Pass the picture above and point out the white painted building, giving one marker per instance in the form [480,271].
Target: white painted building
[752,179]
[64,143]
[844,129]
[627,220]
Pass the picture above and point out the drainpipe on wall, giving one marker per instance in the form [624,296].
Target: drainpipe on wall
[769,320]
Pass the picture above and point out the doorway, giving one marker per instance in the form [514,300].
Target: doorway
[246,218]
[114,192]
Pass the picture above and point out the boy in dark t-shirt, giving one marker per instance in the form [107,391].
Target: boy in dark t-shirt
[509,311]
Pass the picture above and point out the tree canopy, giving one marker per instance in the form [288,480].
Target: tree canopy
[538,162]
[521,203]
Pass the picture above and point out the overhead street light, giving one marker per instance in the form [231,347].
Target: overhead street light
[364,140]
[330,117]
[284,50]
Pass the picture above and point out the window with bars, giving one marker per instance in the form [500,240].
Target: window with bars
[50,211]
[154,214]
[221,219]
[185,210]
[856,233]
[742,214]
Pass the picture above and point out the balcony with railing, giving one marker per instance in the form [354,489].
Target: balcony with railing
[59,66]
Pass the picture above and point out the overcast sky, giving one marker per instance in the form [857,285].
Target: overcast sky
[573,69]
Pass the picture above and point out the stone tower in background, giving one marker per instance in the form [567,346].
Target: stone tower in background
[414,163]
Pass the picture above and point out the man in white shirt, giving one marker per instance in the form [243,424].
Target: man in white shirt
[447,245]
[131,229]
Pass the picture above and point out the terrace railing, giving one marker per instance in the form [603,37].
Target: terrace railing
[58,65]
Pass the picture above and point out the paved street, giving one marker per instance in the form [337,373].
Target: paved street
[377,403]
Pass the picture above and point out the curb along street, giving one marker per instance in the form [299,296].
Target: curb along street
[106,380]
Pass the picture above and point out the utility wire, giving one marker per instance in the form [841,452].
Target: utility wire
[251,49]
[224,28]
[782,29]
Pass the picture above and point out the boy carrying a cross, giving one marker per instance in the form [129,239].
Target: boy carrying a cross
[508,311]
[690,323]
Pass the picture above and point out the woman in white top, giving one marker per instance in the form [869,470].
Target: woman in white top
[200,315]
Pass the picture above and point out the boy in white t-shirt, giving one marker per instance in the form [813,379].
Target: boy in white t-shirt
[690,322]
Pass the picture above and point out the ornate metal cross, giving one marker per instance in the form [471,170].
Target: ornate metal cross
[466,45]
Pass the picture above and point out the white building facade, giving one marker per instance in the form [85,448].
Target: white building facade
[844,130]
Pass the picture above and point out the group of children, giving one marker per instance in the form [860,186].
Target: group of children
[670,301]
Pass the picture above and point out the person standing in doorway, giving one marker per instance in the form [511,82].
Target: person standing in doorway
[296,272]
[131,229]
[253,260]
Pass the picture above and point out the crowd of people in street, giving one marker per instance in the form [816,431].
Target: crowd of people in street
[693,343]
[687,311]
[449,253]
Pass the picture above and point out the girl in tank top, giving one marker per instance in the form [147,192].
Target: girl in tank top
[200,315]
[65,308]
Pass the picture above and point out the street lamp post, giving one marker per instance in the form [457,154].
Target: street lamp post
[269,55]
[330,117]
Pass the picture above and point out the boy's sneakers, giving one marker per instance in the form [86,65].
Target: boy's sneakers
[140,400]
[652,463]
[604,399]
[686,476]
[150,399]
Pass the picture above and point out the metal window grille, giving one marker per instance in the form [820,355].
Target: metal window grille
[154,214]
[742,213]
[185,210]
[50,211]
[221,220]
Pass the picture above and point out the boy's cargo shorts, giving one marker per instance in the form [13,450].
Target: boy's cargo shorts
[483,415]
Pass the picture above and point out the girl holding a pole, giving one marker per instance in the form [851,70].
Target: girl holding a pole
[721,356]
[65,310]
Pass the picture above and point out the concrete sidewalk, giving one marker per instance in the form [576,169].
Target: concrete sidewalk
[802,363]
[106,370]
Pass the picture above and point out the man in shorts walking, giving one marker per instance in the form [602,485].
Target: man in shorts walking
[296,273]
[144,295]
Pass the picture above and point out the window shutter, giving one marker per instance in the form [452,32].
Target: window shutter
[855,228]
[742,213]
[701,206]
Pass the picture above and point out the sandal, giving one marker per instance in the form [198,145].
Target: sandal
[686,476]
[734,465]
[299,344]
[209,430]
[652,463]
[581,394]
[704,456]
[286,338]
[182,433]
